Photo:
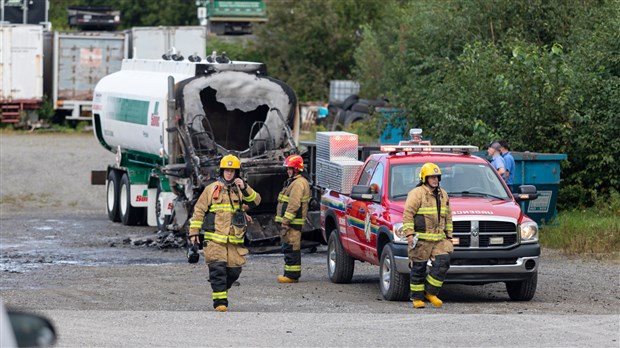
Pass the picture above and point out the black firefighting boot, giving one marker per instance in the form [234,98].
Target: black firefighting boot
[292,264]
[435,278]
[416,285]
[217,277]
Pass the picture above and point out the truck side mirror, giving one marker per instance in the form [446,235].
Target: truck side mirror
[364,193]
[527,193]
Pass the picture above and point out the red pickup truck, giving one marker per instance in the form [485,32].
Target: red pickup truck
[493,240]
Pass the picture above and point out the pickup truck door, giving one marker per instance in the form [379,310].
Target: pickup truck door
[352,207]
[362,222]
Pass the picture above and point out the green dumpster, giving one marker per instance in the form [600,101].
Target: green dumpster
[543,171]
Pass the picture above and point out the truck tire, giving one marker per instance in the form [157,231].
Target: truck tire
[522,290]
[130,216]
[394,285]
[340,265]
[162,220]
[112,201]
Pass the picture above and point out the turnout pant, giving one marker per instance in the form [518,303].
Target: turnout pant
[224,261]
[439,253]
[291,248]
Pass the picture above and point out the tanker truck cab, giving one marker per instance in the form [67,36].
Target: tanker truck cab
[169,122]
[493,240]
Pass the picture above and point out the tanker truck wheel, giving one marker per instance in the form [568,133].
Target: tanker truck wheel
[129,215]
[112,196]
[162,220]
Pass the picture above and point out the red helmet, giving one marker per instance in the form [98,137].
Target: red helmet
[295,162]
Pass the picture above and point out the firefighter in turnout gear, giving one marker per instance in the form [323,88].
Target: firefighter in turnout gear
[291,213]
[220,215]
[427,223]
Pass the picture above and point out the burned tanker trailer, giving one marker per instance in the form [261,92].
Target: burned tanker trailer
[169,124]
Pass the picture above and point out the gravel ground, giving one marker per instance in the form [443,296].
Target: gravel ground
[61,255]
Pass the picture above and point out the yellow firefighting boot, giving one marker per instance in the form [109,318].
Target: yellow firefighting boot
[434,300]
[285,279]
[418,304]
[221,308]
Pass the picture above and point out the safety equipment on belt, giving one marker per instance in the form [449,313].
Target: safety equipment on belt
[192,253]
[429,169]
[230,162]
[295,162]
[239,219]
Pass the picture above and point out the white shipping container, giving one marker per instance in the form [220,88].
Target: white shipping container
[21,63]
[153,42]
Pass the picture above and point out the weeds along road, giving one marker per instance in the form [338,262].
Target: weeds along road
[62,257]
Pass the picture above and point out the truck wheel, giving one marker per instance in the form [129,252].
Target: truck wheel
[523,290]
[339,264]
[394,285]
[112,196]
[162,220]
[129,215]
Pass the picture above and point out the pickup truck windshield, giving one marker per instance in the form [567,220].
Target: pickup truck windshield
[458,179]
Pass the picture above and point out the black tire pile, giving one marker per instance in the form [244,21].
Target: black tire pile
[353,109]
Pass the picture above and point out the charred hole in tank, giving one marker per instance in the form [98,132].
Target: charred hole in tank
[231,128]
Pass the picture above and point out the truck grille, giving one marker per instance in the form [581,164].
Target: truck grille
[485,234]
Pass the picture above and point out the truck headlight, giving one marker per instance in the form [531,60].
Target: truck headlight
[399,233]
[529,232]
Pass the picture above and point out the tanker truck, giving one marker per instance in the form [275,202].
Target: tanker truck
[169,122]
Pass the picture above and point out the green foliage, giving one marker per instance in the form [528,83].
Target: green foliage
[309,43]
[237,50]
[590,230]
[544,75]
[46,111]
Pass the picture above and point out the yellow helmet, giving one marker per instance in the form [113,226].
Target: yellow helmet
[230,162]
[429,169]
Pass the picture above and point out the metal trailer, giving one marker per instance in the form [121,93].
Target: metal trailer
[153,42]
[80,61]
[21,71]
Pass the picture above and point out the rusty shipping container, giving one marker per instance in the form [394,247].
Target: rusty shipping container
[80,61]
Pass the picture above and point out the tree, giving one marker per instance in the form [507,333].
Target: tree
[309,43]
